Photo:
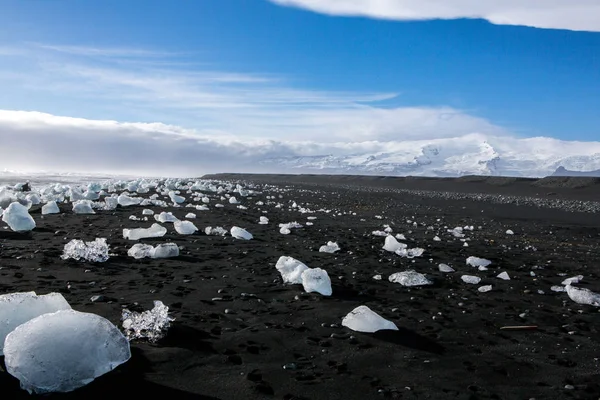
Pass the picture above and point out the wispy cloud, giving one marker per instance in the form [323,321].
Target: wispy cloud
[246,105]
[579,15]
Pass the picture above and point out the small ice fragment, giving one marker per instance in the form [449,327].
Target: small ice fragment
[147,211]
[17,217]
[445,268]
[166,217]
[63,351]
[484,289]
[437,239]
[410,253]
[263,220]
[504,276]
[209,230]
[557,288]
[290,269]
[316,280]
[151,325]
[330,247]
[400,236]
[50,208]
[363,319]
[583,296]
[96,251]
[509,232]
[478,262]
[284,231]
[190,215]
[410,278]
[240,233]
[184,227]
[377,277]
[474,280]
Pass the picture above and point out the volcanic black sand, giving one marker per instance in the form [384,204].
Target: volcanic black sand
[449,344]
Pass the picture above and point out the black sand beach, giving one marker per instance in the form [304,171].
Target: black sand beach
[277,342]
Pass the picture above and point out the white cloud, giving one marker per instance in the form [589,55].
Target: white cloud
[578,15]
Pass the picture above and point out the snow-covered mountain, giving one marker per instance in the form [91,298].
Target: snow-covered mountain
[562,171]
[473,154]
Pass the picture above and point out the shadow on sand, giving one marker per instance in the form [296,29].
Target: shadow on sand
[407,338]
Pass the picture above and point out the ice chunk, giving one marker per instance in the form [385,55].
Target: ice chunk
[18,308]
[504,276]
[284,230]
[166,217]
[110,203]
[330,247]
[391,244]
[575,279]
[190,215]
[185,227]
[126,201]
[363,319]
[165,250]
[233,200]
[155,230]
[290,269]
[83,207]
[410,253]
[509,232]
[63,351]
[147,211]
[17,217]
[96,251]
[240,233]
[445,268]
[583,296]
[484,289]
[151,325]
[140,250]
[478,262]
[474,280]
[316,280]
[50,208]
[209,230]
[175,198]
[557,288]
[409,278]
[263,220]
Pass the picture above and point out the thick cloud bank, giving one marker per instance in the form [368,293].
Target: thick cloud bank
[33,141]
[578,15]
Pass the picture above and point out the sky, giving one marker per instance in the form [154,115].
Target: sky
[201,84]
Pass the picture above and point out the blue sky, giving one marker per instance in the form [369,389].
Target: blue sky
[353,70]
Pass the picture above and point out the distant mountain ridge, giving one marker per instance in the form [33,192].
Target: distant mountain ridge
[473,154]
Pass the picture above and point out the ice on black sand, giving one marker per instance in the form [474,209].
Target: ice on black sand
[363,319]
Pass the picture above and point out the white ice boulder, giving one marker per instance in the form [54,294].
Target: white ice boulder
[290,269]
[63,351]
[165,250]
[140,250]
[166,217]
[363,319]
[391,244]
[574,279]
[185,227]
[233,200]
[473,280]
[504,276]
[410,278]
[18,308]
[240,233]
[155,230]
[190,215]
[330,247]
[83,207]
[478,262]
[445,268]
[147,211]
[17,217]
[316,280]
[176,198]
[284,231]
[127,201]
[583,296]
[96,251]
[50,208]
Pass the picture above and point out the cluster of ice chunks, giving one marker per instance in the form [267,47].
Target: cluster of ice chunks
[17,217]
[151,325]
[156,230]
[63,351]
[363,319]
[330,247]
[410,278]
[296,272]
[240,233]
[163,250]
[96,251]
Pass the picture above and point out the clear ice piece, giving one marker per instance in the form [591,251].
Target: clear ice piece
[363,319]
[316,280]
[290,269]
[96,251]
[410,278]
[151,325]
